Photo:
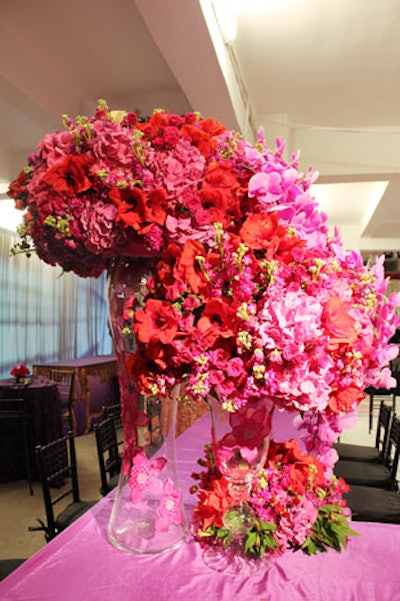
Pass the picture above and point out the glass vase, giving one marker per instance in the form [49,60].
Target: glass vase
[147,514]
[240,442]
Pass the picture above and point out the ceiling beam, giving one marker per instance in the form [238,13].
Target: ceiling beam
[179,29]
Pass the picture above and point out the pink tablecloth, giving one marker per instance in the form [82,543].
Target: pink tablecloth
[81,564]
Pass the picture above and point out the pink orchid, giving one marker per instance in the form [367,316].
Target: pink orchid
[169,508]
[143,477]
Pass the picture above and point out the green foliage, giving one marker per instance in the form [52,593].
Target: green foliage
[330,530]
[258,538]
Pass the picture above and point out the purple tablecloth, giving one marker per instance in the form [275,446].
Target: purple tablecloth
[95,385]
[44,402]
[81,564]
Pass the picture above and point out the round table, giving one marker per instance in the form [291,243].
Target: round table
[44,403]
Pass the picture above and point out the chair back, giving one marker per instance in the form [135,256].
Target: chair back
[108,454]
[383,428]
[65,385]
[57,472]
[393,449]
[113,411]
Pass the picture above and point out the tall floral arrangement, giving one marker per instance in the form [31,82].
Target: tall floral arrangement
[250,296]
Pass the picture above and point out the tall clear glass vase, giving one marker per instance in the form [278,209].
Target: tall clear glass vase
[147,514]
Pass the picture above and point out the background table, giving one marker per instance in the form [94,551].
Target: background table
[80,563]
[42,396]
[95,385]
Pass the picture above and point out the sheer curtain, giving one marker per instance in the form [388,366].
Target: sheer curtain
[47,315]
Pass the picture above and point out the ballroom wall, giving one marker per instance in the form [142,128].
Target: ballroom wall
[47,315]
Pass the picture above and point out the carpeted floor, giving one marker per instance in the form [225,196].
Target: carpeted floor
[19,510]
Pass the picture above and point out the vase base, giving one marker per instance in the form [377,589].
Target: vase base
[140,537]
[229,562]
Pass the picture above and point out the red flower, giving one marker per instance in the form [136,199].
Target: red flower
[139,210]
[263,232]
[69,175]
[285,248]
[162,355]
[153,128]
[250,426]
[303,468]
[341,401]
[156,322]
[18,191]
[212,126]
[216,321]
[203,137]
[19,370]
[213,504]
[187,267]
[221,193]
[166,266]
[259,231]
[338,323]
[142,369]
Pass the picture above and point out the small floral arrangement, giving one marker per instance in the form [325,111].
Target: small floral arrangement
[20,371]
[296,506]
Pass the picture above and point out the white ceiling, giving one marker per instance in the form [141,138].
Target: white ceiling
[324,75]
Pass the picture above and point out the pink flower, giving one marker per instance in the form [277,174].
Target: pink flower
[98,221]
[169,508]
[143,477]
[235,368]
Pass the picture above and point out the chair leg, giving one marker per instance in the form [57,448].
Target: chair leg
[371,410]
[28,468]
[72,419]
